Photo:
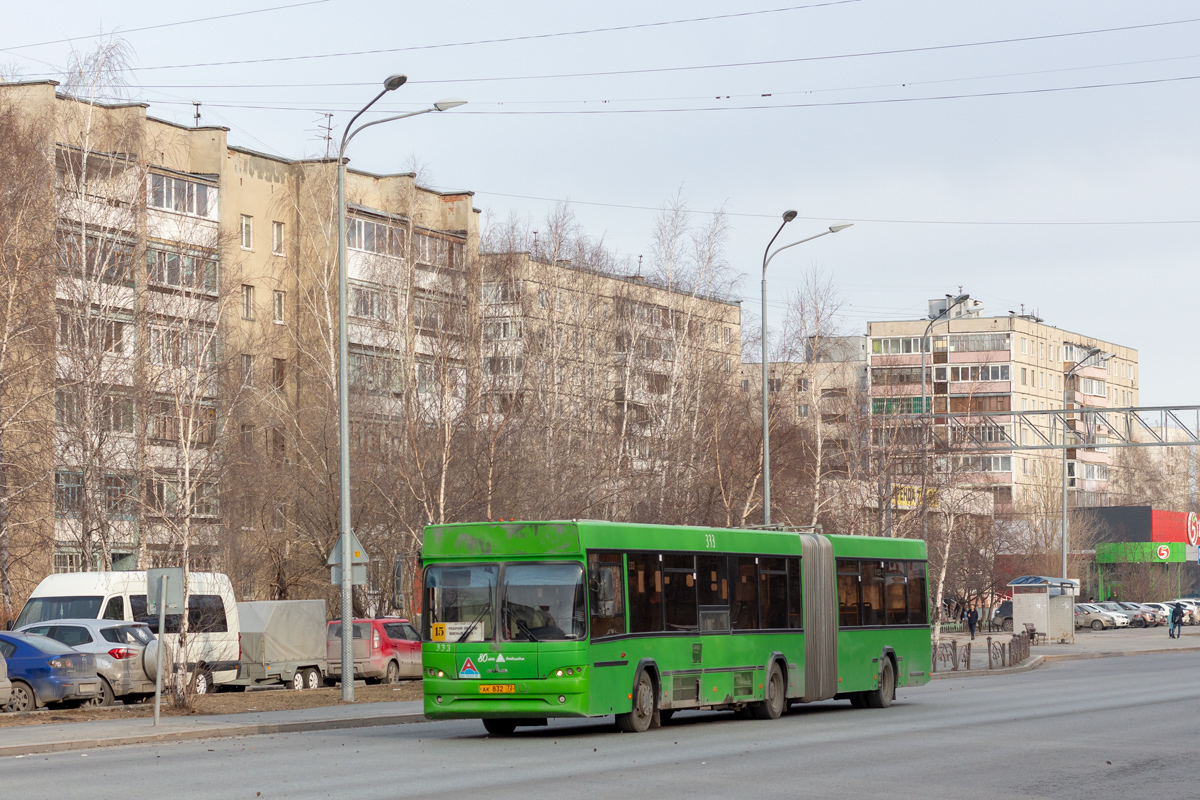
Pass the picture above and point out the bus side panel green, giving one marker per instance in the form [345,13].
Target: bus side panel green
[609,687]
[859,672]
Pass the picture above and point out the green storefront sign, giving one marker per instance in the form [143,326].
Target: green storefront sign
[1141,553]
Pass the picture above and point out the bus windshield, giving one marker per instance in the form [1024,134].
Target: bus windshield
[40,609]
[536,602]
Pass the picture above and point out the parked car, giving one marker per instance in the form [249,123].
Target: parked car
[212,614]
[1002,617]
[1189,614]
[5,685]
[1087,616]
[126,654]
[1137,617]
[385,650]
[1151,617]
[1119,618]
[1191,605]
[45,671]
[1123,617]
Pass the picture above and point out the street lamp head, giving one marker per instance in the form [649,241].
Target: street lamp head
[449,103]
[789,215]
[394,82]
[840,227]
[962,298]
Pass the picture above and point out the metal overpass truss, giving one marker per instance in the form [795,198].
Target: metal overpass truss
[1081,428]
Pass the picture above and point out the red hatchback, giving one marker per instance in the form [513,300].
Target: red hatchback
[385,650]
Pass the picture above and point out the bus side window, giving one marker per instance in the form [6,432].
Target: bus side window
[115,608]
[918,599]
[745,594]
[795,595]
[896,592]
[607,594]
[772,592]
[679,591]
[712,586]
[645,593]
[849,603]
[872,592]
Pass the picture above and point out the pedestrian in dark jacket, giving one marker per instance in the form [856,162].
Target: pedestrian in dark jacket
[972,620]
[1176,621]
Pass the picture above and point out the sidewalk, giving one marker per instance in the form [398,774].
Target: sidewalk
[1088,644]
[50,738]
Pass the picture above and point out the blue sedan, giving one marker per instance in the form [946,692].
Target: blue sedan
[45,671]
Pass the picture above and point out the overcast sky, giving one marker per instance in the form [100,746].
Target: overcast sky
[856,144]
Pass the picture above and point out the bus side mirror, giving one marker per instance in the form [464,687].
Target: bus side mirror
[606,594]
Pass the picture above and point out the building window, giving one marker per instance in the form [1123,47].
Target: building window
[276,238]
[67,562]
[247,369]
[374,237]
[1023,382]
[278,373]
[367,302]
[774,384]
[802,410]
[247,232]
[247,301]
[1022,345]
[277,446]
[182,270]
[728,335]
[802,384]
[280,298]
[187,197]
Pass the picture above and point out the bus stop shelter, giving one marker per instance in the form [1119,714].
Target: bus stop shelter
[1046,603]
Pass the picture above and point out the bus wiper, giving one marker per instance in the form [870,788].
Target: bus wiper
[474,622]
[521,626]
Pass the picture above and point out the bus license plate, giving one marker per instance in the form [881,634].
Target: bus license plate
[497,688]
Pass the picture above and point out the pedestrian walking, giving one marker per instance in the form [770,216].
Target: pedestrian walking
[1176,621]
[972,620]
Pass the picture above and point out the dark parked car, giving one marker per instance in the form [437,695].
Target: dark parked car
[1002,617]
[45,671]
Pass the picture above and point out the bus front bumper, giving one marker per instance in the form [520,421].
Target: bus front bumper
[467,699]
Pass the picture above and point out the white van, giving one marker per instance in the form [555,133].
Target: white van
[213,649]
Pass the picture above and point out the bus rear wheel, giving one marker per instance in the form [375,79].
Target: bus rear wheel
[641,717]
[774,699]
[882,697]
[499,727]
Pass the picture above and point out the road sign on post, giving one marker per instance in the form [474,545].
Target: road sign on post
[358,562]
[164,595]
[357,554]
[174,594]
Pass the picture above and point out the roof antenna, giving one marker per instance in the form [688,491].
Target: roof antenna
[535,244]
[639,272]
[196,103]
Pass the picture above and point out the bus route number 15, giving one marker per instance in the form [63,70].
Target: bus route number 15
[710,541]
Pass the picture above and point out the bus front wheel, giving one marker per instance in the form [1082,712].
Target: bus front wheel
[641,717]
[882,697]
[773,700]
[499,727]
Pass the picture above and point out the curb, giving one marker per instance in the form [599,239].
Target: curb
[1033,663]
[220,732]
[1156,651]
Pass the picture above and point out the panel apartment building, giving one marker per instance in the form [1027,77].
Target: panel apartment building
[616,355]
[992,365]
[178,309]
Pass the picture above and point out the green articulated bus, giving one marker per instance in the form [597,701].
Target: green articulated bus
[529,620]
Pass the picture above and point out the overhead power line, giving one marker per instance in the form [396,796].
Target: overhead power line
[650,70]
[507,39]
[756,107]
[164,25]
[878,220]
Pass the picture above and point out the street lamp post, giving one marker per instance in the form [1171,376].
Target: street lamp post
[1091,353]
[343,377]
[788,216]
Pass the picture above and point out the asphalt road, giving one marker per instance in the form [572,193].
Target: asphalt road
[1114,727]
